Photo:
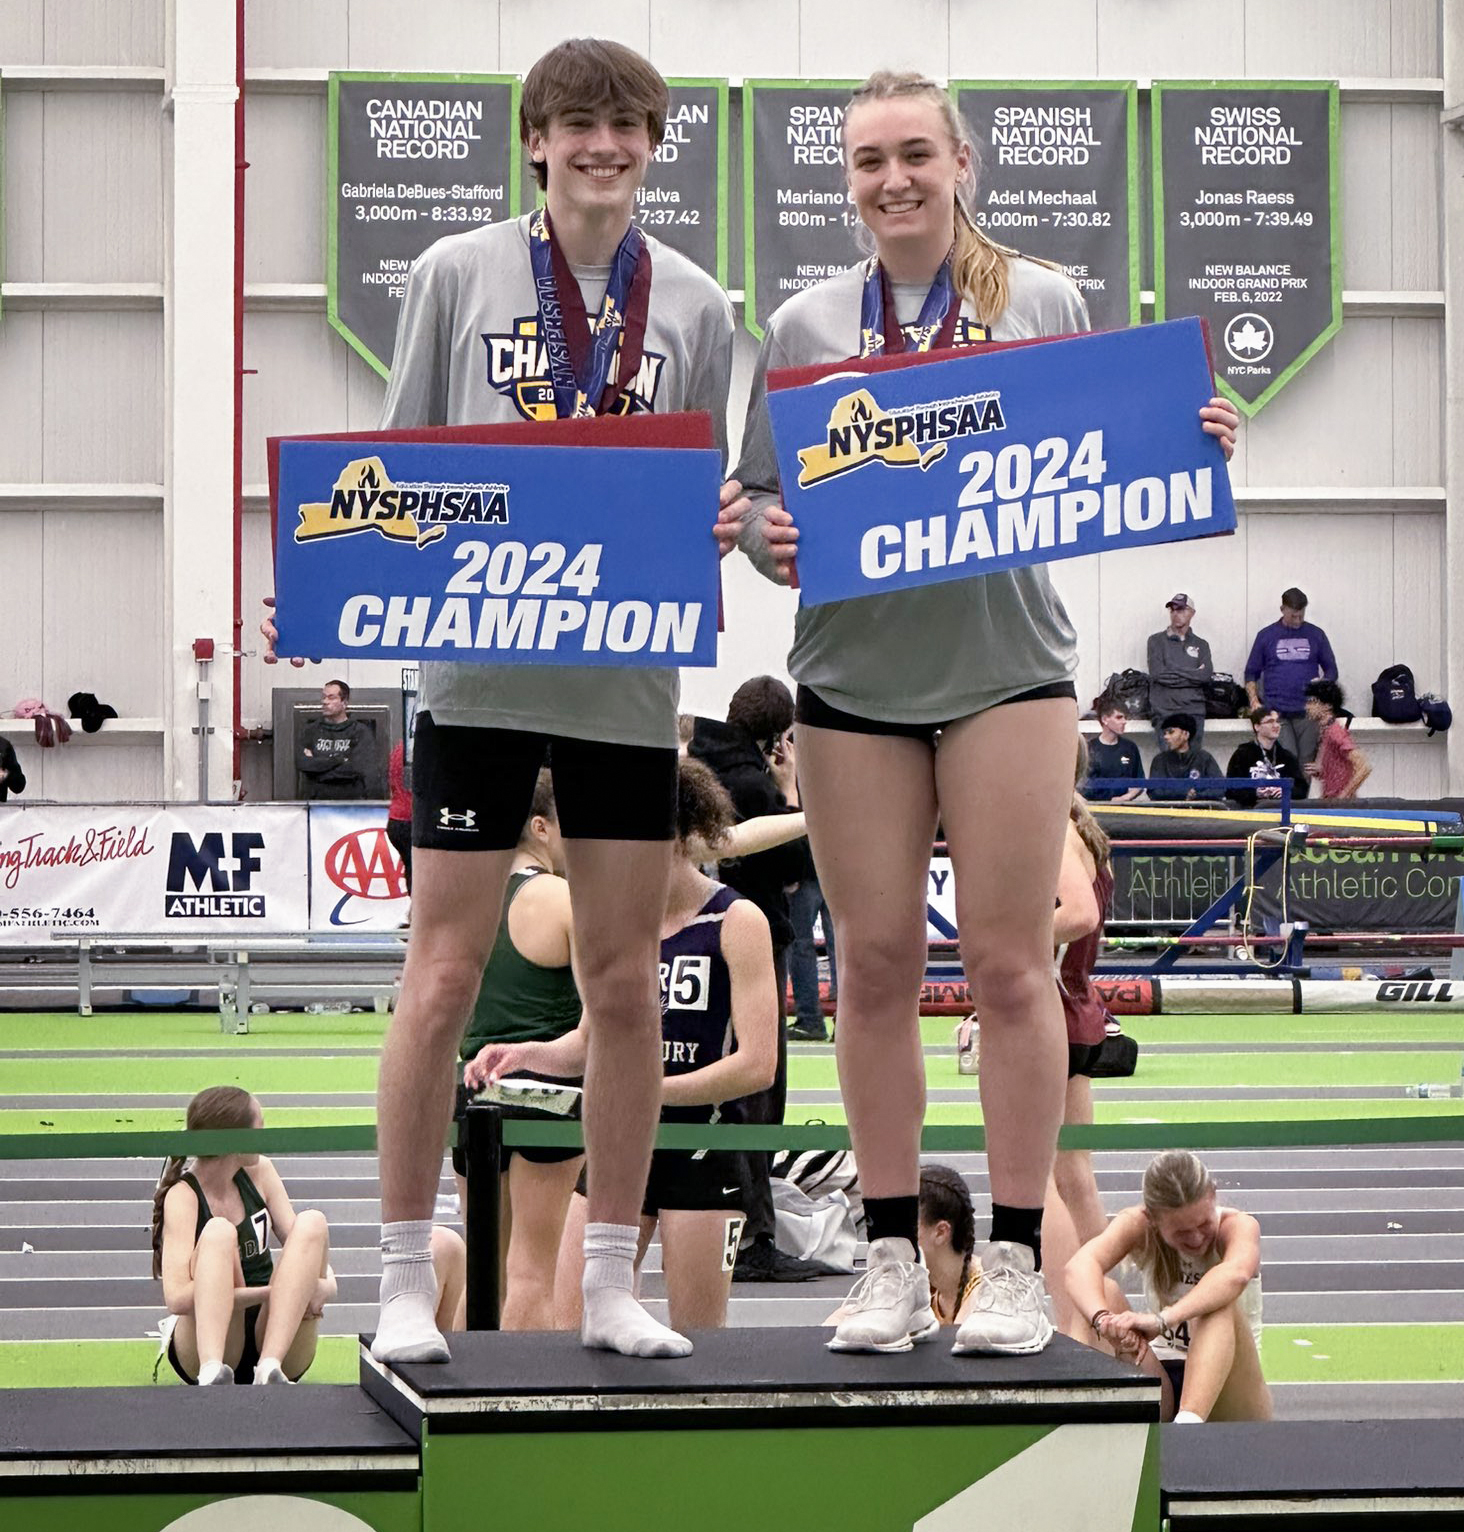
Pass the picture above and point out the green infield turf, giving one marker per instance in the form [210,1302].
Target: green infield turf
[1290,1354]
[132,1031]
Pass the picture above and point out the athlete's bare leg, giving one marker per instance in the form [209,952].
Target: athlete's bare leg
[1222,1373]
[539,1195]
[694,1250]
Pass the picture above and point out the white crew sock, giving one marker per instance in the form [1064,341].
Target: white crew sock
[613,1320]
[1188,1418]
[215,1372]
[406,1330]
[269,1370]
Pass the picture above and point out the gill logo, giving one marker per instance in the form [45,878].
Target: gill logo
[365,499]
[861,431]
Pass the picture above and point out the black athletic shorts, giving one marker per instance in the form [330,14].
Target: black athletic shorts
[1174,1366]
[472,788]
[248,1358]
[1082,1057]
[680,1181]
[812,710]
[535,1154]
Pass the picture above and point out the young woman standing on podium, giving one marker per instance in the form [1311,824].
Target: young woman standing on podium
[908,707]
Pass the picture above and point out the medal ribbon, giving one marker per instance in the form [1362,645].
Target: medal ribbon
[581,356]
[935,329]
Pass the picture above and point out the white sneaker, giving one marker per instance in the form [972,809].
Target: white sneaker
[888,1308]
[1009,1314]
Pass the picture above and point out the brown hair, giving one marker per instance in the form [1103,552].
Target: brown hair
[341,687]
[945,1195]
[1174,1180]
[1092,833]
[542,804]
[1257,714]
[704,809]
[591,74]
[220,1106]
[979,266]
[764,707]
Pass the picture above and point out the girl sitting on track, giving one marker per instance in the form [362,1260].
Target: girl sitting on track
[238,1315]
[948,1242]
[907,711]
[1201,1266]
[719,1043]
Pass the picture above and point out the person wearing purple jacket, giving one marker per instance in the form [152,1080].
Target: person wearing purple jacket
[1283,659]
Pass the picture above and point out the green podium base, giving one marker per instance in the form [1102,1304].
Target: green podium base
[767,1427]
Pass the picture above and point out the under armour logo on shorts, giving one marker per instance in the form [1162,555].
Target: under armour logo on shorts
[447,820]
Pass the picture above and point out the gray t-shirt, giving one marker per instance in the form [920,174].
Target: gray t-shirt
[468,353]
[943,651]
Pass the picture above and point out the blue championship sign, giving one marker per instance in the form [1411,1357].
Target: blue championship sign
[948,469]
[504,554]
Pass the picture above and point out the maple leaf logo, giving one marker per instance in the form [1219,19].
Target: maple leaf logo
[1249,337]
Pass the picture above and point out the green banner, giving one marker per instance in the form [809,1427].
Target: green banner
[1247,232]
[411,158]
[684,200]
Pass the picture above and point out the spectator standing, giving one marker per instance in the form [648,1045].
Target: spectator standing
[1111,755]
[399,811]
[1340,766]
[335,749]
[1284,657]
[1267,761]
[1179,666]
[753,758]
[1183,762]
[806,907]
[12,778]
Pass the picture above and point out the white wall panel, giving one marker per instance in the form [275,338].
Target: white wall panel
[1170,39]
[22,32]
[89,770]
[528,28]
[300,387]
[21,338]
[462,36]
[1325,426]
[709,37]
[1078,583]
[852,38]
[22,557]
[107,568]
[1344,565]
[1418,600]
[102,173]
[1417,234]
[759,635]
[102,394]
[1367,196]
[1317,39]
[285,207]
[1418,772]
[21,170]
[1042,39]
[1415,35]
[365,390]
[104,32]
[1418,401]
[289,34]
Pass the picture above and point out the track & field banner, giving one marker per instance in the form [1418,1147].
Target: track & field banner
[999,458]
[503,554]
[113,869]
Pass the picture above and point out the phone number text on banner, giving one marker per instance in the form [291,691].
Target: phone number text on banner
[509,555]
[1021,456]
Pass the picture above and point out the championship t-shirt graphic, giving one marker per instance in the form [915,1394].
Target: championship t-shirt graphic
[518,367]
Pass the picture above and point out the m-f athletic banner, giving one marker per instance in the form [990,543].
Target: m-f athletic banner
[798,221]
[411,157]
[1058,179]
[1246,229]
[998,457]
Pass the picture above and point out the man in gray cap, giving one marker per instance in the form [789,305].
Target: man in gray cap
[1179,666]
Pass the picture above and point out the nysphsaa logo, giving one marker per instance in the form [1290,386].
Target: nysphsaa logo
[365,499]
[363,865]
[213,876]
[861,431]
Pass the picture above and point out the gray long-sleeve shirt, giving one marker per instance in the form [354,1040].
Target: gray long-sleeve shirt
[1178,670]
[468,352]
[942,651]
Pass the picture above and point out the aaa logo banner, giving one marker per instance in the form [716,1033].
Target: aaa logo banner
[509,555]
[999,459]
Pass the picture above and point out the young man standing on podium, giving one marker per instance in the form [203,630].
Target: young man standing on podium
[570,311]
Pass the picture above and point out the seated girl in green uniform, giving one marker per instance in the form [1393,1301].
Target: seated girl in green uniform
[235,1315]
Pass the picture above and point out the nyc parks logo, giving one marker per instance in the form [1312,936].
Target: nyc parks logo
[366,500]
[860,431]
